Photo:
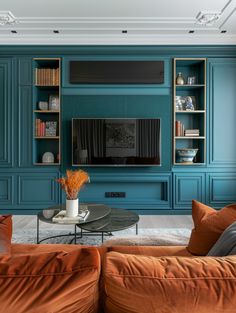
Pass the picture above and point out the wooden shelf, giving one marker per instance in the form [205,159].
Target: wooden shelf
[47,137]
[46,85]
[190,86]
[47,164]
[46,111]
[190,112]
[189,164]
[190,137]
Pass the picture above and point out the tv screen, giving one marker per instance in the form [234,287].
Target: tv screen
[115,141]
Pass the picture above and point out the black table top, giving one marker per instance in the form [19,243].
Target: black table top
[118,219]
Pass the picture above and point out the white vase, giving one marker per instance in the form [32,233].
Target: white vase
[72,208]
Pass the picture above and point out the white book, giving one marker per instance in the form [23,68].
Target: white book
[61,217]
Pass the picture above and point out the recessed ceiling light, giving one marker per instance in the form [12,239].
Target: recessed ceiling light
[56,31]
[223,31]
[13,31]
[191,31]
[124,31]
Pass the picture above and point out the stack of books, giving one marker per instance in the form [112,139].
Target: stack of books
[47,76]
[45,129]
[63,219]
[179,129]
[192,132]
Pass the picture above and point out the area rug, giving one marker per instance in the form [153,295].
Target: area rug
[146,236]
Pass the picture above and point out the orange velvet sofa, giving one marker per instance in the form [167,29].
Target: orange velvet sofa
[68,278]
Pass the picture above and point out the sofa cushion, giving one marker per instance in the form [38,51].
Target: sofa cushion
[5,233]
[50,282]
[172,284]
[209,224]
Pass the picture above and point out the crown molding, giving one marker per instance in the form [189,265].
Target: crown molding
[220,39]
[7,18]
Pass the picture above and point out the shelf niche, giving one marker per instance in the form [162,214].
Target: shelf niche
[189,119]
[46,117]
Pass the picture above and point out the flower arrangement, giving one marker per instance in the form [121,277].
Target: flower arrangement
[73,182]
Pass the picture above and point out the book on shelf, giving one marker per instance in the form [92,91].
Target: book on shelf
[47,76]
[63,219]
[192,132]
[179,129]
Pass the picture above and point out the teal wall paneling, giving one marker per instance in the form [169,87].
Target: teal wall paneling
[6,190]
[165,189]
[188,186]
[222,112]
[6,144]
[25,71]
[40,190]
[221,189]
[25,127]
[143,192]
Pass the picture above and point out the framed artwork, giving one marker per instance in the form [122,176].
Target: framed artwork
[54,103]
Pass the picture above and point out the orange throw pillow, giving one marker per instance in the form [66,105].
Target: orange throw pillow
[209,224]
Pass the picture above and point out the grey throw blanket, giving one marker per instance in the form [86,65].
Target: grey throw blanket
[226,244]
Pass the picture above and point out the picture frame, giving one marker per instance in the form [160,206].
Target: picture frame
[54,102]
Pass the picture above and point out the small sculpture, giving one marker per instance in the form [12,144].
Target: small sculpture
[189,104]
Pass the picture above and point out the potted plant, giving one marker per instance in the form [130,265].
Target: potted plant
[72,184]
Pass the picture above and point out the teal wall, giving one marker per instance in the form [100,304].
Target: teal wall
[167,189]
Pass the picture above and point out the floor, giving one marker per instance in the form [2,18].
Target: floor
[146,221]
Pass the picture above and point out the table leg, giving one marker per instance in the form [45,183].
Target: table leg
[75,235]
[136,229]
[102,236]
[37,229]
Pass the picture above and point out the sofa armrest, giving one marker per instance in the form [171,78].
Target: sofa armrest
[5,234]
[50,282]
[135,283]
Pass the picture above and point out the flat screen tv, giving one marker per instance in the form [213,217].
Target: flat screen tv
[116,142]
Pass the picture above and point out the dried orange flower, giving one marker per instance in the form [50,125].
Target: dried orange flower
[73,182]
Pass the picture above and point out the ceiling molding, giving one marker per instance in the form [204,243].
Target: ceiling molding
[119,40]
[7,18]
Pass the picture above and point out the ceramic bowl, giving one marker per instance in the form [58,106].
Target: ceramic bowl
[185,155]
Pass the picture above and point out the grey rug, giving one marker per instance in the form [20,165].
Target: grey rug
[146,236]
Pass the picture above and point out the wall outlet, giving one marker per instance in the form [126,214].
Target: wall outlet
[115,194]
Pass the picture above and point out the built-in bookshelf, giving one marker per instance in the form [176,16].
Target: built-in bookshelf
[189,107]
[46,111]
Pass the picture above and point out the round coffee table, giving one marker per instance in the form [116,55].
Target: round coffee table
[97,211]
[117,219]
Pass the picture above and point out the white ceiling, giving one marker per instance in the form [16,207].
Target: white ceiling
[102,22]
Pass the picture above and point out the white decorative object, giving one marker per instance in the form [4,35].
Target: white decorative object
[207,18]
[72,208]
[54,102]
[62,218]
[48,213]
[7,18]
[48,157]
[43,105]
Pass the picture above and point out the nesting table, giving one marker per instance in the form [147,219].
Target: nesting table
[101,221]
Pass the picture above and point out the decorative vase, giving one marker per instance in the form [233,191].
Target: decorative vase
[72,208]
[180,79]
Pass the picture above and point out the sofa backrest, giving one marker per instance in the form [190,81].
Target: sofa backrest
[50,282]
[135,283]
[5,234]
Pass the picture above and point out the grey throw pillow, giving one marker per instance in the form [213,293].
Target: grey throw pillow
[226,244]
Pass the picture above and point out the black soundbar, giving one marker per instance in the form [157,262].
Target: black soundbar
[116,72]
